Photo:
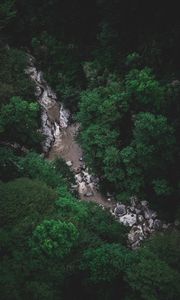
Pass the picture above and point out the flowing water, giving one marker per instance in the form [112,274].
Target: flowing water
[60,138]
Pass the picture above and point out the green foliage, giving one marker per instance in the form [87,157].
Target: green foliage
[106,263]
[133,59]
[7,12]
[166,247]
[153,278]
[62,168]
[18,122]
[13,80]
[23,201]
[8,164]
[54,238]
[54,246]
[35,167]
[144,90]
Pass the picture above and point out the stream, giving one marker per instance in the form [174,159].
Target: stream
[60,141]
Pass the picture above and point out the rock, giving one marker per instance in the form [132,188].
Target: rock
[137,211]
[128,219]
[133,200]
[38,91]
[83,166]
[154,215]
[82,188]
[148,213]
[78,178]
[74,186]
[140,218]
[144,203]
[89,194]
[120,210]
[157,224]
[80,159]
[176,222]
[109,199]
[146,228]
[132,209]
[64,115]
[109,195]
[69,163]
[135,234]
[136,245]
[77,170]
[165,226]
[151,223]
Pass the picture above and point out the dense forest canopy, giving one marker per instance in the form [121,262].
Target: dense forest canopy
[115,65]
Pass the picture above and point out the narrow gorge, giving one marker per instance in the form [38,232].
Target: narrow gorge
[60,141]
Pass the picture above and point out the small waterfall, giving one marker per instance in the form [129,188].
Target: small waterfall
[54,116]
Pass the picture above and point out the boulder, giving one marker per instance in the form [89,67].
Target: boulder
[144,203]
[69,163]
[151,223]
[82,188]
[136,234]
[140,218]
[78,178]
[89,194]
[120,210]
[157,224]
[128,219]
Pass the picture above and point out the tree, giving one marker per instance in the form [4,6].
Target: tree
[24,201]
[18,122]
[35,167]
[54,238]
[7,12]
[153,279]
[106,263]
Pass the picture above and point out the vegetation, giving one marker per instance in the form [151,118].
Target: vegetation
[115,65]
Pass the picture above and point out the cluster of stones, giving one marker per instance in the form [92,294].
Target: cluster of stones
[141,219]
[85,183]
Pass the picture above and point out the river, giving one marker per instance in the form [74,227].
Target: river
[60,141]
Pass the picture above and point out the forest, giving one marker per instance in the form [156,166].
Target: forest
[114,66]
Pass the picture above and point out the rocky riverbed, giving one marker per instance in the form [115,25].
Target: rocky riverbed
[60,141]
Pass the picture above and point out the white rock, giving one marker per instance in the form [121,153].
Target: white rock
[82,188]
[89,194]
[78,178]
[69,163]
[128,219]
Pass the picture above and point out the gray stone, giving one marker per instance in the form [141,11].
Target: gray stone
[89,194]
[136,234]
[151,223]
[120,210]
[148,213]
[144,203]
[176,223]
[137,211]
[140,218]
[157,224]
